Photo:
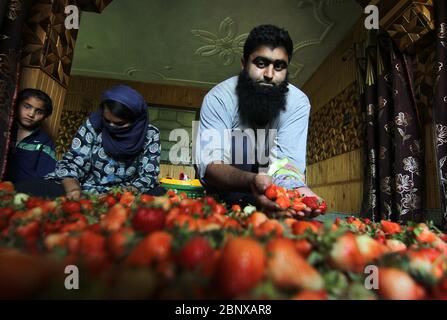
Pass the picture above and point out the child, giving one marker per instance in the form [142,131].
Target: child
[32,151]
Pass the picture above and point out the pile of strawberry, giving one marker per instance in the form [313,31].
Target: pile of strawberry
[173,247]
[292,199]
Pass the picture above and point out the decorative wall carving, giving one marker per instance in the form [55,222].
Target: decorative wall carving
[48,45]
[413,24]
[336,128]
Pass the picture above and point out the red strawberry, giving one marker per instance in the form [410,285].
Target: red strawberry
[71,207]
[303,247]
[29,231]
[115,218]
[92,244]
[240,267]
[283,202]
[55,240]
[323,207]
[194,253]
[424,235]
[149,219]
[154,247]
[395,284]
[311,295]
[311,202]
[219,209]
[390,227]
[269,226]
[300,227]
[395,245]
[109,200]
[117,242]
[86,205]
[236,208]
[428,261]
[270,192]
[256,219]
[6,186]
[288,269]
[346,255]
[369,248]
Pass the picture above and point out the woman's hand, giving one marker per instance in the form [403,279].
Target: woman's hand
[72,188]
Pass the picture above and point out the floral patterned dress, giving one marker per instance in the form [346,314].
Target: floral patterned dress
[97,172]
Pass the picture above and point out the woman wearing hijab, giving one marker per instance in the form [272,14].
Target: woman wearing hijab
[115,147]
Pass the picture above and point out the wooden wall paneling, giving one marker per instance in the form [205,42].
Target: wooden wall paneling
[85,92]
[339,180]
[342,198]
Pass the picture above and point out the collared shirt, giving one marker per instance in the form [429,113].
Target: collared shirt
[220,123]
[31,158]
[97,172]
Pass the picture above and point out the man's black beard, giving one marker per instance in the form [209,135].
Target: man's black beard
[260,105]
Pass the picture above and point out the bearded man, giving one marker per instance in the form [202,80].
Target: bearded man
[252,117]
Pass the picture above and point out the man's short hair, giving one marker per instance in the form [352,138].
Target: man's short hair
[268,35]
[38,94]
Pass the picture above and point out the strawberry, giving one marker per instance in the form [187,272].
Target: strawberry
[92,244]
[127,198]
[6,186]
[303,247]
[55,240]
[288,269]
[154,247]
[423,234]
[270,192]
[194,253]
[86,205]
[311,295]
[219,209]
[283,202]
[71,207]
[145,198]
[30,230]
[115,218]
[298,206]
[236,208]
[240,267]
[5,214]
[390,227]
[311,202]
[395,284]
[369,248]
[395,245]
[323,207]
[269,226]
[149,219]
[109,200]
[300,227]
[428,261]
[346,255]
[256,219]
[118,241]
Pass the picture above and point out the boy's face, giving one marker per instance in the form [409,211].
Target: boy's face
[31,113]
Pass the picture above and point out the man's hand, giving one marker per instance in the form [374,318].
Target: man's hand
[259,184]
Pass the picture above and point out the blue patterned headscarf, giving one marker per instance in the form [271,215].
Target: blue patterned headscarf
[123,142]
